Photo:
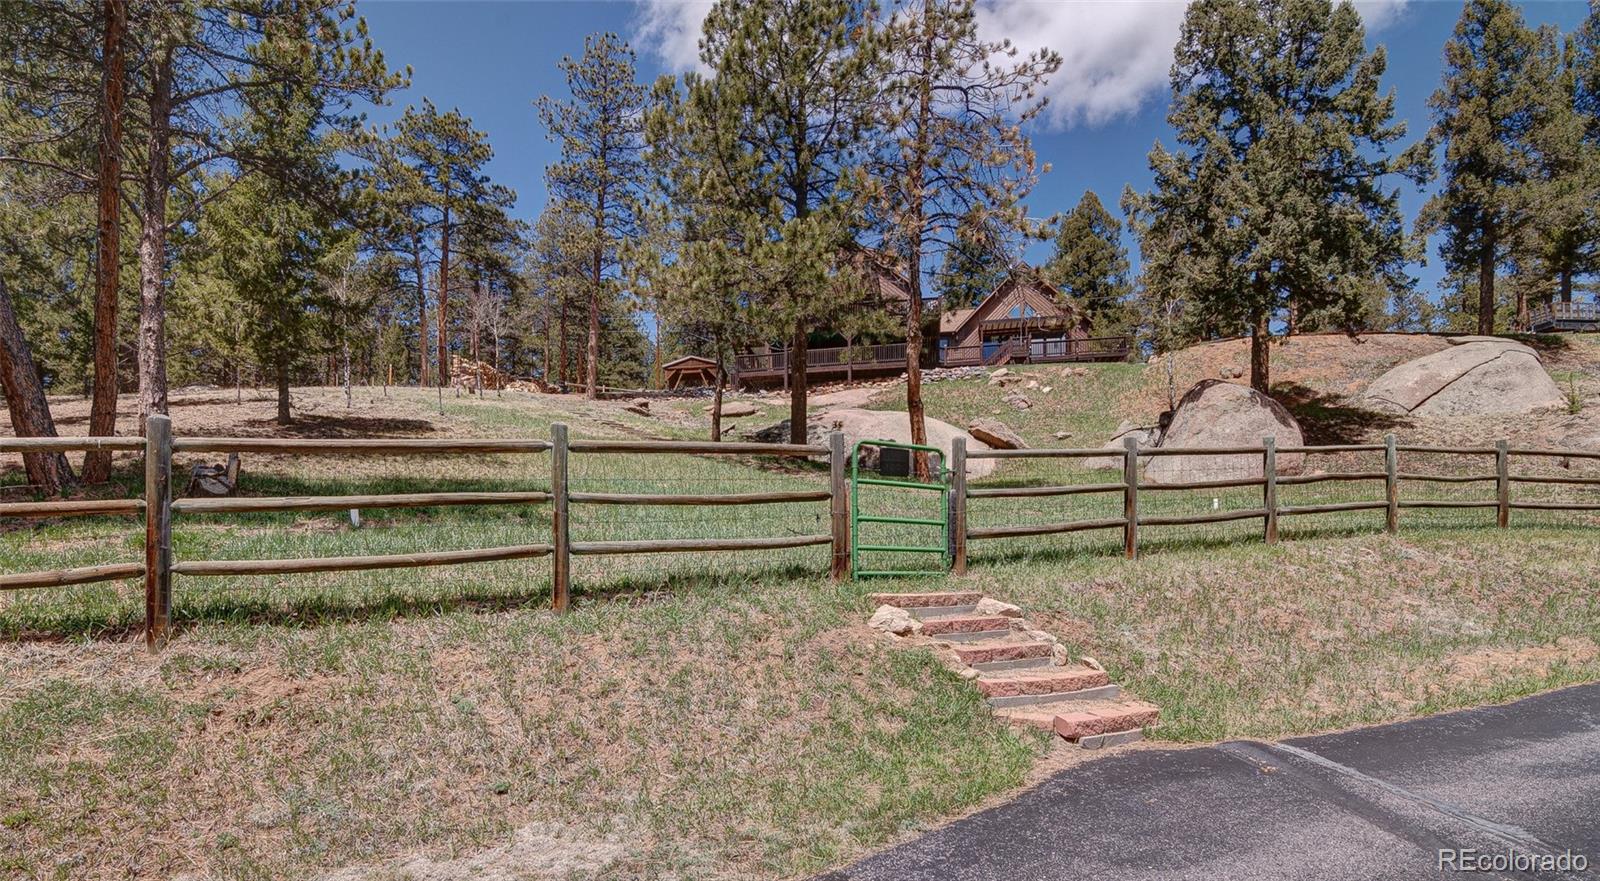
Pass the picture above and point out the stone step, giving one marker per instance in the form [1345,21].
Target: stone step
[926,600]
[1057,701]
[1078,724]
[1005,683]
[927,612]
[984,653]
[965,624]
[1018,664]
[1043,715]
[976,636]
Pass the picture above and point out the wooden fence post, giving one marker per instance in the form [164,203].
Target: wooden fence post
[1130,497]
[1391,483]
[1502,482]
[157,530]
[560,529]
[958,506]
[838,506]
[1269,486]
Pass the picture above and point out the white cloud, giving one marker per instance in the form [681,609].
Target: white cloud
[1115,54]
[670,30]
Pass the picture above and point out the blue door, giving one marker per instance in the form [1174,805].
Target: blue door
[990,347]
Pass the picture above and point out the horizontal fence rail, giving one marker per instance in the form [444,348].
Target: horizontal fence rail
[1135,487]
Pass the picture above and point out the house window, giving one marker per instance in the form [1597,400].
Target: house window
[1022,311]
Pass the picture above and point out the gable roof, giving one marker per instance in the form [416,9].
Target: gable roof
[1048,298]
[687,358]
[951,321]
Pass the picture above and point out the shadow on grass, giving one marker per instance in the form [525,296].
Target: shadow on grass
[196,606]
[1329,419]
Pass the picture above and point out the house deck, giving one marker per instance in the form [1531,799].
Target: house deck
[1565,316]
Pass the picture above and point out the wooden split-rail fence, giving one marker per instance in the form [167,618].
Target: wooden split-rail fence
[159,508]
[1270,510]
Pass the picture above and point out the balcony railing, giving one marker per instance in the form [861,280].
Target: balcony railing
[841,359]
[1559,314]
[1114,348]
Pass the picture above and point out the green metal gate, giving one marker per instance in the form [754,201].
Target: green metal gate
[941,485]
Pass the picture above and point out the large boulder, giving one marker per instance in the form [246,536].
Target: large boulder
[889,425]
[1476,376]
[1221,414]
[1146,436]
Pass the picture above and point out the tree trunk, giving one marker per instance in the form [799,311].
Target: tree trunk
[1566,284]
[797,387]
[716,404]
[444,293]
[30,411]
[561,338]
[422,309]
[153,244]
[1260,366]
[108,244]
[1486,263]
[914,408]
[592,376]
[281,370]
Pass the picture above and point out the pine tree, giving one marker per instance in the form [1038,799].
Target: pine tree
[601,172]
[199,64]
[1090,266]
[1483,114]
[789,96]
[952,150]
[444,156]
[1276,203]
[976,264]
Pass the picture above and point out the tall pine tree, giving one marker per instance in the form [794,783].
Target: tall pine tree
[1276,200]
[952,150]
[601,172]
[1483,113]
[1090,266]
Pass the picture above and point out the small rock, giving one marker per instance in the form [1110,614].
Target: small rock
[1040,636]
[1047,389]
[1062,435]
[1059,655]
[969,673]
[1032,384]
[992,606]
[732,409]
[895,620]
[1019,402]
[1091,663]
[1004,371]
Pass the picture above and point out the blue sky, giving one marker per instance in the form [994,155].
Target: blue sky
[492,59]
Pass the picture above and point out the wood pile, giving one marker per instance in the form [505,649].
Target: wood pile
[469,374]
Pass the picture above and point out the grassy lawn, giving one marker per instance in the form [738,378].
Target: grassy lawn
[707,716]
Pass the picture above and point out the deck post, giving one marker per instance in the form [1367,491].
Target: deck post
[1130,497]
[838,506]
[1502,483]
[1269,487]
[1391,483]
[958,506]
[157,530]
[560,528]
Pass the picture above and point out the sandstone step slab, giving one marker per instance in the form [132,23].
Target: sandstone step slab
[926,600]
[1078,724]
[1005,683]
[1014,650]
[1057,701]
[1017,664]
[965,624]
[929,612]
[976,636]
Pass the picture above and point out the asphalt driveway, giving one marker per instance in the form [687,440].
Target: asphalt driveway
[1519,784]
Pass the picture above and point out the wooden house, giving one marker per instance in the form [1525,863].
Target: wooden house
[1025,319]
